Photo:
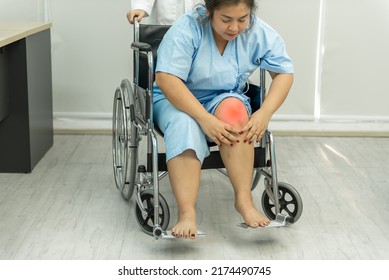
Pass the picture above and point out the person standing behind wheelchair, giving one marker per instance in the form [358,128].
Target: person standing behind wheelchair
[160,11]
[203,66]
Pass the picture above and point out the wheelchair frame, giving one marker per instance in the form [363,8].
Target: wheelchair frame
[133,119]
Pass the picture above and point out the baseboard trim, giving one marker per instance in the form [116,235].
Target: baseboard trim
[82,123]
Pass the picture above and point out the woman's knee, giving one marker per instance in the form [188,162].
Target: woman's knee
[233,112]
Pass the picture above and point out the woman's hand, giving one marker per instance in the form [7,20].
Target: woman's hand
[218,131]
[256,126]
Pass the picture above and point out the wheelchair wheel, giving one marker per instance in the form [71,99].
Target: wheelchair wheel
[119,139]
[289,200]
[146,220]
[133,140]
[124,141]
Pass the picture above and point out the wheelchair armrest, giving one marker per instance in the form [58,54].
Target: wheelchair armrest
[142,47]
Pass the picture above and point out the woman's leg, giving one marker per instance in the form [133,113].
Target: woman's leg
[186,147]
[184,174]
[238,160]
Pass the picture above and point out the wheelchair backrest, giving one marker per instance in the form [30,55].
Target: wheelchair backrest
[152,35]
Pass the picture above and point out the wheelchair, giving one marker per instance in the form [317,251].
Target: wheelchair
[133,120]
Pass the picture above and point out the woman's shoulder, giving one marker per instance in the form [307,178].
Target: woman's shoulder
[262,28]
[192,19]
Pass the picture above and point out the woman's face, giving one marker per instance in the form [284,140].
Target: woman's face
[229,21]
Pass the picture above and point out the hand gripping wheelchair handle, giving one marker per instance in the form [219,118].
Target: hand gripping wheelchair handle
[141,47]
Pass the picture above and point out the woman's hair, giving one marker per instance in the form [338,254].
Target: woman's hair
[213,5]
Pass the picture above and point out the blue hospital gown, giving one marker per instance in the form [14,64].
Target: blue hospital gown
[189,52]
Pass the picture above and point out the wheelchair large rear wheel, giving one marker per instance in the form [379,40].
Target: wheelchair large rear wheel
[146,220]
[119,139]
[124,140]
[289,199]
[133,140]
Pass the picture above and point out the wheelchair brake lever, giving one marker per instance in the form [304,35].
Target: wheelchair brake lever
[133,119]
[132,113]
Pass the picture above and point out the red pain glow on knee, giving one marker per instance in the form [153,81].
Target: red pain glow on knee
[233,113]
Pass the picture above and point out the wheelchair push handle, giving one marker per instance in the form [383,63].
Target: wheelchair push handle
[139,46]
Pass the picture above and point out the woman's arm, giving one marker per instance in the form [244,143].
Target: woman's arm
[179,95]
[259,120]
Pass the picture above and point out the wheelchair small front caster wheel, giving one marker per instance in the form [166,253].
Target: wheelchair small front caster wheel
[289,201]
[146,219]
[157,232]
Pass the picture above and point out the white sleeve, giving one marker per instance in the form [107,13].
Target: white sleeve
[145,5]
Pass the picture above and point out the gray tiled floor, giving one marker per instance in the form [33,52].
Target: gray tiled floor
[69,207]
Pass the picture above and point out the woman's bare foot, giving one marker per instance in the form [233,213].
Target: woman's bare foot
[186,226]
[251,216]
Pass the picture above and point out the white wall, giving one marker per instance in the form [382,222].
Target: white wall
[340,72]
[31,10]
[299,30]
[91,54]
[355,63]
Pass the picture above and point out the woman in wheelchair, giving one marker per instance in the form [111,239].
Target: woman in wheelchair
[204,62]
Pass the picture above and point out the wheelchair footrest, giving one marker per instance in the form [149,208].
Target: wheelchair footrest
[281,220]
[168,235]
